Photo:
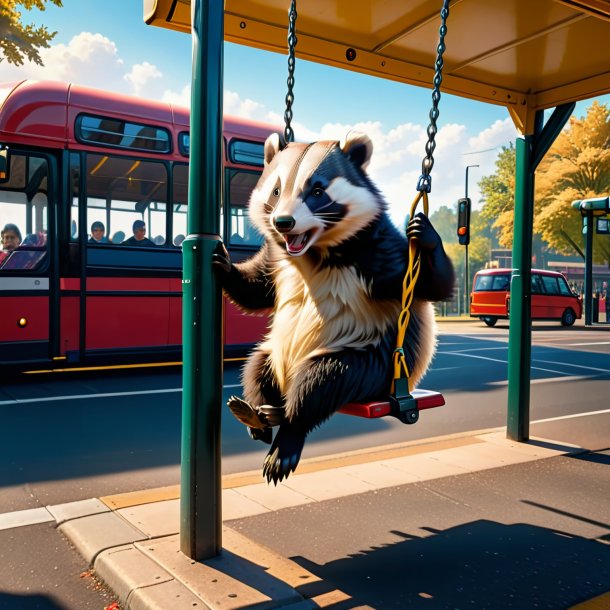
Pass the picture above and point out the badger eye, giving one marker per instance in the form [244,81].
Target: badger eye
[276,191]
[317,192]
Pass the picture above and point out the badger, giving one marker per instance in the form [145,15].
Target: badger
[331,269]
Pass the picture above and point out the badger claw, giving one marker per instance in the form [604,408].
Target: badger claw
[284,455]
[265,435]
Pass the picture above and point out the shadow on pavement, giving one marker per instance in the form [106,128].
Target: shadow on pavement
[27,602]
[482,564]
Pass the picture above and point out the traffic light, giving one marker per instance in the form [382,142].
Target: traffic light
[463,226]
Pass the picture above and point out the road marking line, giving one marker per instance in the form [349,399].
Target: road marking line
[20,518]
[578,366]
[542,421]
[592,343]
[534,368]
[21,401]
[472,356]
[547,379]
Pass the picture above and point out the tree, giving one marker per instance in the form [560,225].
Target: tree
[18,41]
[444,220]
[498,191]
[576,167]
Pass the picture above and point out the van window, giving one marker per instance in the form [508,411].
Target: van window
[537,284]
[550,284]
[564,288]
[492,283]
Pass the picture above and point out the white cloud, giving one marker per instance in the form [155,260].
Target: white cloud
[87,59]
[140,76]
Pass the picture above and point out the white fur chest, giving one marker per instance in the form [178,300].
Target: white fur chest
[330,311]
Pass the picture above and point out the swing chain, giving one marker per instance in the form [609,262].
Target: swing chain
[292,43]
[425,180]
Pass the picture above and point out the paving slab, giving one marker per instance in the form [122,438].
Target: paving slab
[96,533]
[125,569]
[20,518]
[74,510]
[155,519]
[242,576]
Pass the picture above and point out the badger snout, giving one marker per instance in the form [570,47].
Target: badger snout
[284,224]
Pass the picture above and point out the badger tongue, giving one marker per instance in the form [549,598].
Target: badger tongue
[295,243]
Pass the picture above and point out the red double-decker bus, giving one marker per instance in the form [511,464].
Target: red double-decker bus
[95,185]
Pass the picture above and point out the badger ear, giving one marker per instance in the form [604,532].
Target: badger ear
[358,147]
[273,145]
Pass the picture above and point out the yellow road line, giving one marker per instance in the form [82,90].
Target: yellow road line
[114,367]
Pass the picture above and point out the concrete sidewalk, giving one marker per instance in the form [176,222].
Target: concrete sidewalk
[132,542]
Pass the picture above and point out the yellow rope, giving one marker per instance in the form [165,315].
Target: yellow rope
[401,368]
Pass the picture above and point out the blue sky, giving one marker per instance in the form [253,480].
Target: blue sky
[106,44]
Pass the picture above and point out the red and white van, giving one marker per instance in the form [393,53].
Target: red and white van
[552,298]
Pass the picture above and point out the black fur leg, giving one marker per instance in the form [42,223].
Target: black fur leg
[285,453]
[265,435]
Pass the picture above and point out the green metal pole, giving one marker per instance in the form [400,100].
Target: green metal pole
[200,490]
[530,151]
[519,337]
[588,288]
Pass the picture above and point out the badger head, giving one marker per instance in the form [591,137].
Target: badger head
[315,195]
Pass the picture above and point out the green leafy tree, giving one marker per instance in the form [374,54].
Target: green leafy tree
[576,167]
[498,192]
[444,220]
[18,41]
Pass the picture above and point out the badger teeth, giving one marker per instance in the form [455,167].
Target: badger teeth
[296,243]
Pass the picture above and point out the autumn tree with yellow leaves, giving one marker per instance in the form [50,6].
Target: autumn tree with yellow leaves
[17,41]
[577,166]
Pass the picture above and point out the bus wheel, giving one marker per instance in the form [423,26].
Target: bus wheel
[568,318]
[491,321]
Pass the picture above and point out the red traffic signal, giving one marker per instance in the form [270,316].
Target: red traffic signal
[463,226]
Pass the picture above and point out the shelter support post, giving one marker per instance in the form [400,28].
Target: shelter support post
[529,152]
[200,489]
[588,288]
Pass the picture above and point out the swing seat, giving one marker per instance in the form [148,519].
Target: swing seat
[424,399]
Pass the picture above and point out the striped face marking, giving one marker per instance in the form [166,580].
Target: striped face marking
[313,194]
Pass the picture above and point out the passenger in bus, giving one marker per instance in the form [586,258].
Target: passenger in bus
[139,235]
[98,233]
[11,237]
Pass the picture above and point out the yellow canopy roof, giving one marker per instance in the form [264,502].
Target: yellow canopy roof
[524,54]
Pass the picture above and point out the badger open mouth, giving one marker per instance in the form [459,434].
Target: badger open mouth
[295,244]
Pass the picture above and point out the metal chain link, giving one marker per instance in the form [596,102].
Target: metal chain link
[425,180]
[292,43]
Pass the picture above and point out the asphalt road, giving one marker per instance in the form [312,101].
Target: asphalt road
[72,436]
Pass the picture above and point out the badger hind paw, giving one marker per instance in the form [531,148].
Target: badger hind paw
[284,455]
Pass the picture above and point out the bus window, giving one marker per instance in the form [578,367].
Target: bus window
[179,203]
[23,214]
[241,230]
[74,186]
[121,191]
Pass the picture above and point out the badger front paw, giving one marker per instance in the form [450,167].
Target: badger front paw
[421,230]
[285,453]
[247,414]
[256,418]
[221,261]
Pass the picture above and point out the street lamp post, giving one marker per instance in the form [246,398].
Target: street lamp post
[466,299]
